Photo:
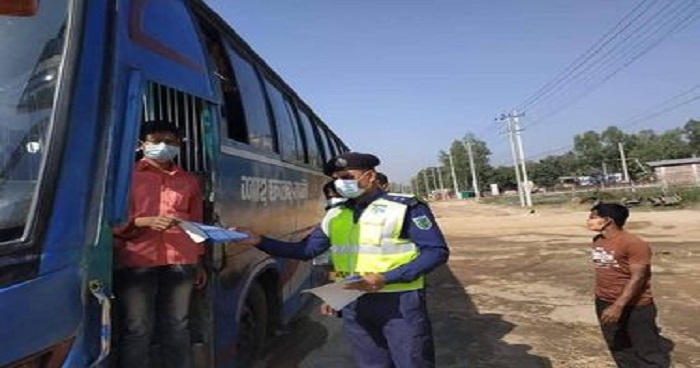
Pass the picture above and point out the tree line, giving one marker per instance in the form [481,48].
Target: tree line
[592,153]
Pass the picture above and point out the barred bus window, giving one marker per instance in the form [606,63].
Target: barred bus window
[187,112]
[254,104]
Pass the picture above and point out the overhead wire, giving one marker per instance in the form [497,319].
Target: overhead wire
[614,32]
[636,51]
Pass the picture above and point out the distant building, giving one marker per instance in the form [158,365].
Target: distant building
[684,171]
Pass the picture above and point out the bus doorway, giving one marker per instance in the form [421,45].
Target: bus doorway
[192,117]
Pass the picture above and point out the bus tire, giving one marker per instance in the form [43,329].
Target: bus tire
[253,326]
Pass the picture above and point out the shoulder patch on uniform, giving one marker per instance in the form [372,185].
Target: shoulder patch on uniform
[422,222]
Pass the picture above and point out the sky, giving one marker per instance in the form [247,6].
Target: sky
[404,78]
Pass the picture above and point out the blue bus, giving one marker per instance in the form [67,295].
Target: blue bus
[77,78]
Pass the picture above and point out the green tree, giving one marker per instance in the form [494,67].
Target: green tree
[547,171]
[588,147]
[460,157]
[503,176]
[691,129]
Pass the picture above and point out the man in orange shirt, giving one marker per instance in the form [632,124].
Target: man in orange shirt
[158,261]
[624,304]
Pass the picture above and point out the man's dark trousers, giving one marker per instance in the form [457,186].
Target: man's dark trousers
[634,341]
[390,330]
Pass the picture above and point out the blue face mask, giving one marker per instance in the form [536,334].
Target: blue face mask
[160,152]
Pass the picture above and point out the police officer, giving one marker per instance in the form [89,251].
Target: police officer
[382,181]
[391,242]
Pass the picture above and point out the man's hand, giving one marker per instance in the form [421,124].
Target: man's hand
[252,239]
[370,283]
[326,310]
[158,223]
[611,314]
[200,280]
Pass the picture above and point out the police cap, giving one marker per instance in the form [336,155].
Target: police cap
[349,161]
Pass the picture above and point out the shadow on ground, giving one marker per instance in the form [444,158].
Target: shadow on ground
[464,337]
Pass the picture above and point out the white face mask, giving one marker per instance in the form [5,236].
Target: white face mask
[160,152]
[348,188]
[332,202]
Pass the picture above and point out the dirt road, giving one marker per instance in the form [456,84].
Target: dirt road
[517,292]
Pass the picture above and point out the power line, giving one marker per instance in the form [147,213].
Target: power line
[586,56]
[679,24]
[649,114]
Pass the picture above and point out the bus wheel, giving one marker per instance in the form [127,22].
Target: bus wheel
[252,326]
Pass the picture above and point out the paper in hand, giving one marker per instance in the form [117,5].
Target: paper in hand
[201,232]
[335,294]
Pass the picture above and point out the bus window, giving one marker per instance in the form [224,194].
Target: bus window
[287,132]
[260,132]
[32,52]
[312,147]
[334,144]
[300,151]
[232,109]
[325,145]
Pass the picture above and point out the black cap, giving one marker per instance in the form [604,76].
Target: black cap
[382,179]
[351,160]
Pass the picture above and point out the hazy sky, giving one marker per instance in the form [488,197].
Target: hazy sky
[403,78]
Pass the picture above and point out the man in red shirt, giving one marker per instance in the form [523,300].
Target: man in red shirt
[624,303]
[158,260]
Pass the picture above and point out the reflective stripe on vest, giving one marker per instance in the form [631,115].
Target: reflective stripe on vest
[373,244]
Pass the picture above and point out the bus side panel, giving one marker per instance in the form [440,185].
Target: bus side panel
[50,313]
[272,198]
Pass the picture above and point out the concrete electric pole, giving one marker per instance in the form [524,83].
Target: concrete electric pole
[425,181]
[526,182]
[454,177]
[442,184]
[625,173]
[511,138]
[475,181]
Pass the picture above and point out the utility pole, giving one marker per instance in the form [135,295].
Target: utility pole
[605,175]
[519,141]
[435,184]
[475,182]
[625,173]
[510,129]
[454,177]
[425,181]
[442,184]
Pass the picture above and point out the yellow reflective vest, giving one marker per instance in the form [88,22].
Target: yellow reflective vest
[373,244]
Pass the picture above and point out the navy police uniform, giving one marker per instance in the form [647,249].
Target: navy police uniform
[385,329]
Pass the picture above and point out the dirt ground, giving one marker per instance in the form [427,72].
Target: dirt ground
[517,292]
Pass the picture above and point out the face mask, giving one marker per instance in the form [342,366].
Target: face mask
[597,224]
[348,188]
[160,152]
[332,202]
